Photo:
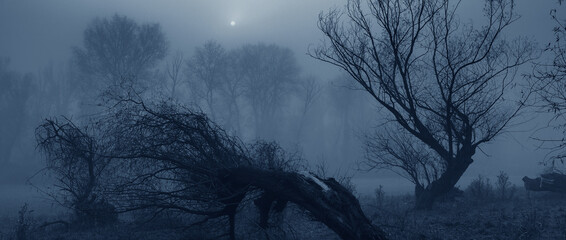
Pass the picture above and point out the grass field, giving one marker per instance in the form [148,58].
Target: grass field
[525,216]
[473,215]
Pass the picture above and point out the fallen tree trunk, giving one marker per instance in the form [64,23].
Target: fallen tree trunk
[327,200]
[176,159]
[552,182]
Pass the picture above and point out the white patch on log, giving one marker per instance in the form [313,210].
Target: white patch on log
[322,185]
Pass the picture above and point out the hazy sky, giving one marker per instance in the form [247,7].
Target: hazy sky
[34,33]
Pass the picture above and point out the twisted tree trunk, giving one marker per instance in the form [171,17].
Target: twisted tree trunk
[425,197]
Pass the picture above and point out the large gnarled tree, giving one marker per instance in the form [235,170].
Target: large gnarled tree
[168,158]
[445,84]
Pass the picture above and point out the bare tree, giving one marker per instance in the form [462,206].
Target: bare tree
[310,90]
[174,159]
[207,74]
[393,149]
[175,156]
[118,53]
[174,72]
[15,91]
[549,78]
[53,90]
[56,90]
[271,73]
[75,159]
[254,78]
[233,91]
[204,171]
[442,81]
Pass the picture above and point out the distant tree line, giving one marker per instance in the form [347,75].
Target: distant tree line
[15,92]
[251,84]
[250,88]
[245,89]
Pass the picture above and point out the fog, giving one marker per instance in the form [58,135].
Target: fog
[39,36]
[47,30]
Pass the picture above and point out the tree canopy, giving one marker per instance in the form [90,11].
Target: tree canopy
[117,52]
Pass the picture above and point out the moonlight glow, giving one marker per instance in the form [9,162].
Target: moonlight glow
[232,23]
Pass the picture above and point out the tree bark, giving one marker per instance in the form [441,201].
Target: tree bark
[425,197]
[264,204]
[327,200]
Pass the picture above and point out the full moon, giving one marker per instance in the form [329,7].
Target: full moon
[232,23]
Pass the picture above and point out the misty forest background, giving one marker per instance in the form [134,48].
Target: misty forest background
[240,140]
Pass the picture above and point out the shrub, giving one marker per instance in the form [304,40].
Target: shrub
[531,226]
[24,223]
[505,190]
[480,189]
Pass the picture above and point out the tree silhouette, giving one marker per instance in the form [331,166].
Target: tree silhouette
[15,91]
[169,158]
[445,83]
[270,74]
[118,53]
[207,74]
[75,158]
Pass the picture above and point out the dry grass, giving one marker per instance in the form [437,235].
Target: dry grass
[293,223]
[523,216]
[526,216]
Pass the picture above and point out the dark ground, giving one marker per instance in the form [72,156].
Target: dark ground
[524,215]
